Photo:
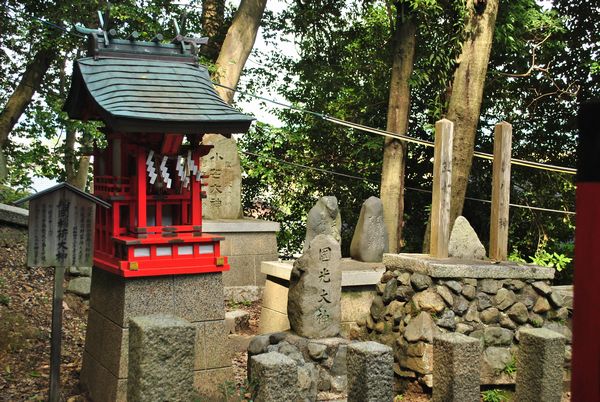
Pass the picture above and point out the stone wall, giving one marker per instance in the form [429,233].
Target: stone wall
[419,297]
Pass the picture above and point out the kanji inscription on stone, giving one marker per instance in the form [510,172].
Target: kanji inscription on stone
[314,308]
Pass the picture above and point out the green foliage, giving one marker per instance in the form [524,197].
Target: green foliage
[494,395]
[511,367]
[553,260]
[232,393]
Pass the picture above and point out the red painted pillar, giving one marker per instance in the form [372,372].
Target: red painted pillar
[196,189]
[141,187]
[585,382]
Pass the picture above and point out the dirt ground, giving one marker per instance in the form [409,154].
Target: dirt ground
[25,319]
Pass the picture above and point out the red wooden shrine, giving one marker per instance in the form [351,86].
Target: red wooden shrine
[156,103]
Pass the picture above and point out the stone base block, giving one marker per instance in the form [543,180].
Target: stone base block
[161,359]
[456,368]
[275,377]
[370,372]
[540,366]
[107,343]
[101,384]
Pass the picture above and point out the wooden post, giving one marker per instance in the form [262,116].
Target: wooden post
[442,179]
[56,335]
[500,192]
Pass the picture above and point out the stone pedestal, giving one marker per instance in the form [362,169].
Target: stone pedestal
[456,368]
[370,373]
[115,300]
[540,360]
[247,243]
[161,359]
[358,290]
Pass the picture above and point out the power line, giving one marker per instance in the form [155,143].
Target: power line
[420,190]
[384,133]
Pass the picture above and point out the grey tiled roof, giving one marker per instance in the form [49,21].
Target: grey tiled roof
[146,95]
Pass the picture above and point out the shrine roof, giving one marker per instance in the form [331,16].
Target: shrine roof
[141,90]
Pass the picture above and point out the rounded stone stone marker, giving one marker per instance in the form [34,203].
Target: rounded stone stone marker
[370,238]
[314,308]
[323,218]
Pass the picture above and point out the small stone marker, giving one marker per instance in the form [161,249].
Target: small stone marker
[464,242]
[456,361]
[540,365]
[274,377]
[370,372]
[223,190]
[314,308]
[370,238]
[161,359]
[323,218]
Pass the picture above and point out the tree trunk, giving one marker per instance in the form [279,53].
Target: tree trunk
[467,93]
[238,45]
[394,151]
[21,97]
[213,16]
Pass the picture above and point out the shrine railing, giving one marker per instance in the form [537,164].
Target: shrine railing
[112,185]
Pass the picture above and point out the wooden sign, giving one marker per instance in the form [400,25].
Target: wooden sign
[61,227]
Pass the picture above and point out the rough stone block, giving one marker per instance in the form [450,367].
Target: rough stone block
[107,343]
[540,360]
[275,377]
[456,368]
[101,384]
[370,372]
[161,359]
[236,321]
[199,297]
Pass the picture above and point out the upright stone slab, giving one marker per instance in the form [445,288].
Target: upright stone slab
[314,308]
[323,218]
[456,364]
[540,365]
[370,372]
[370,238]
[161,359]
[223,191]
[464,242]
[274,377]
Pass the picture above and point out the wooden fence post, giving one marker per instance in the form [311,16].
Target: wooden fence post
[442,179]
[500,192]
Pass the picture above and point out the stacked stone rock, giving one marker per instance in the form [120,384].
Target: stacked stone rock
[320,363]
[412,307]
